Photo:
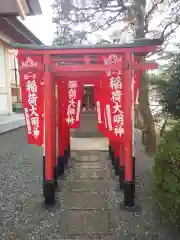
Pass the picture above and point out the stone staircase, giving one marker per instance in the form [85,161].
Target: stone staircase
[88,126]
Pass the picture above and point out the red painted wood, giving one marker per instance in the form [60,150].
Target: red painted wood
[128,121]
[54,52]
[48,93]
[94,69]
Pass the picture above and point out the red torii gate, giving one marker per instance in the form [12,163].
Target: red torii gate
[81,61]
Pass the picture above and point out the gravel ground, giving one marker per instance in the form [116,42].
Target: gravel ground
[23,215]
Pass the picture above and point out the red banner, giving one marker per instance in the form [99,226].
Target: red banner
[112,99]
[114,106]
[71,100]
[112,87]
[30,82]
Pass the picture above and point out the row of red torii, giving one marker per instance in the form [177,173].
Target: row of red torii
[111,69]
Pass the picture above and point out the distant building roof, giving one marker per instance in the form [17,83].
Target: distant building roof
[17,31]
[20,8]
[34,7]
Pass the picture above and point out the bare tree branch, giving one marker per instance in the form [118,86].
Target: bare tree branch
[109,8]
[151,11]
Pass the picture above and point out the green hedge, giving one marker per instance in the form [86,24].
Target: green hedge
[166,172]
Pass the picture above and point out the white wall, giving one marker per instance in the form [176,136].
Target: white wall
[5,81]
[3,85]
[2,68]
[3,104]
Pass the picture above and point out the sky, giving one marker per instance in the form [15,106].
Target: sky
[42,25]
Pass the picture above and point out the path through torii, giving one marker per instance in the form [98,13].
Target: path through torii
[111,69]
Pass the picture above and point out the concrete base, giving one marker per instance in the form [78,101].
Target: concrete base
[128,194]
[55,177]
[18,107]
[49,192]
[116,166]
[121,177]
[60,165]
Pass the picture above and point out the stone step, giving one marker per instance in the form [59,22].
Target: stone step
[89,165]
[85,201]
[84,205]
[78,134]
[87,158]
[87,174]
[87,186]
[89,144]
[88,126]
[84,222]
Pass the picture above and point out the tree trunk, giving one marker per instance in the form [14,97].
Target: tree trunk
[145,111]
[136,116]
[149,129]
[164,124]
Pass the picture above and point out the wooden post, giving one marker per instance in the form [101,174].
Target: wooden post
[121,167]
[66,143]
[128,187]
[112,152]
[69,143]
[116,157]
[49,187]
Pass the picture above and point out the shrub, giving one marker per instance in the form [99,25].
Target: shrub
[166,172]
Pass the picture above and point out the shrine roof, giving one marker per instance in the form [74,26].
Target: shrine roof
[137,43]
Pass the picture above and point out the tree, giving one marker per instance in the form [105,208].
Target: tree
[65,35]
[169,85]
[138,18]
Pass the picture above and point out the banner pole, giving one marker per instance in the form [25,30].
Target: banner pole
[133,136]
[44,152]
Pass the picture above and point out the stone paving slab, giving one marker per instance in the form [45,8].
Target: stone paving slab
[98,144]
[23,215]
[85,201]
[93,157]
[82,158]
[85,237]
[87,158]
[88,165]
[88,174]
[87,186]
[78,222]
